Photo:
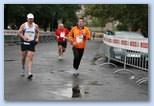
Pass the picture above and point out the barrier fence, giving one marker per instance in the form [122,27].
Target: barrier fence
[10,36]
[127,51]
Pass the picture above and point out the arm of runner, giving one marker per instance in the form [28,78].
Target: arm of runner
[20,33]
[56,34]
[71,37]
[88,34]
[37,33]
[67,32]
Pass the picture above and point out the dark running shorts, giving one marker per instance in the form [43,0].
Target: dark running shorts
[28,46]
[63,44]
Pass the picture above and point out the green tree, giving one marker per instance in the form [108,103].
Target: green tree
[45,14]
[130,15]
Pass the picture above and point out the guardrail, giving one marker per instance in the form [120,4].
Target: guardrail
[10,36]
[127,51]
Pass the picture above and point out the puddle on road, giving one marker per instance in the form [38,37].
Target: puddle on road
[51,72]
[61,70]
[70,92]
[64,92]
[96,83]
[75,90]
[92,70]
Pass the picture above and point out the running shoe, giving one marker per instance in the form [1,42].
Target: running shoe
[60,57]
[75,72]
[30,77]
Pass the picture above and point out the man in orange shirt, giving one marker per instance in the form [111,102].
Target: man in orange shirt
[78,36]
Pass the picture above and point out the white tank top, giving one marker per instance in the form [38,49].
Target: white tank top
[30,31]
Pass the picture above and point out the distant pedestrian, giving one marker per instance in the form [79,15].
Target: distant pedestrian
[93,35]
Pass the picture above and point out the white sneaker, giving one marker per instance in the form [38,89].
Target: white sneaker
[60,57]
[75,72]
[71,71]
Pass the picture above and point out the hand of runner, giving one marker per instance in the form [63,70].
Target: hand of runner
[74,43]
[84,37]
[57,37]
[65,37]
[37,40]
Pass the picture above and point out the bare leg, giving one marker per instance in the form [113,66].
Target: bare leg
[30,55]
[60,50]
[23,61]
[23,58]
[64,50]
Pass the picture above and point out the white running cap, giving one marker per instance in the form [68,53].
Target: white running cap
[30,15]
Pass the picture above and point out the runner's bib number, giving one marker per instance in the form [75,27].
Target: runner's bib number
[26,43]
[79,39]
[62,34]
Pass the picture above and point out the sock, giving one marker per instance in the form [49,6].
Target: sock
[29,73]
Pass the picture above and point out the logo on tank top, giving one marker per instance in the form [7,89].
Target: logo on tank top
[30,32]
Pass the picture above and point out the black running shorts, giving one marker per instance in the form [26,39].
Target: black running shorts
[28,46]
[63,44]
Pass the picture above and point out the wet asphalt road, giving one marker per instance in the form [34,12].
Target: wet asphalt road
[53,80]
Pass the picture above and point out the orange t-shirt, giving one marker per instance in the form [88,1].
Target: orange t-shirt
[79,36]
